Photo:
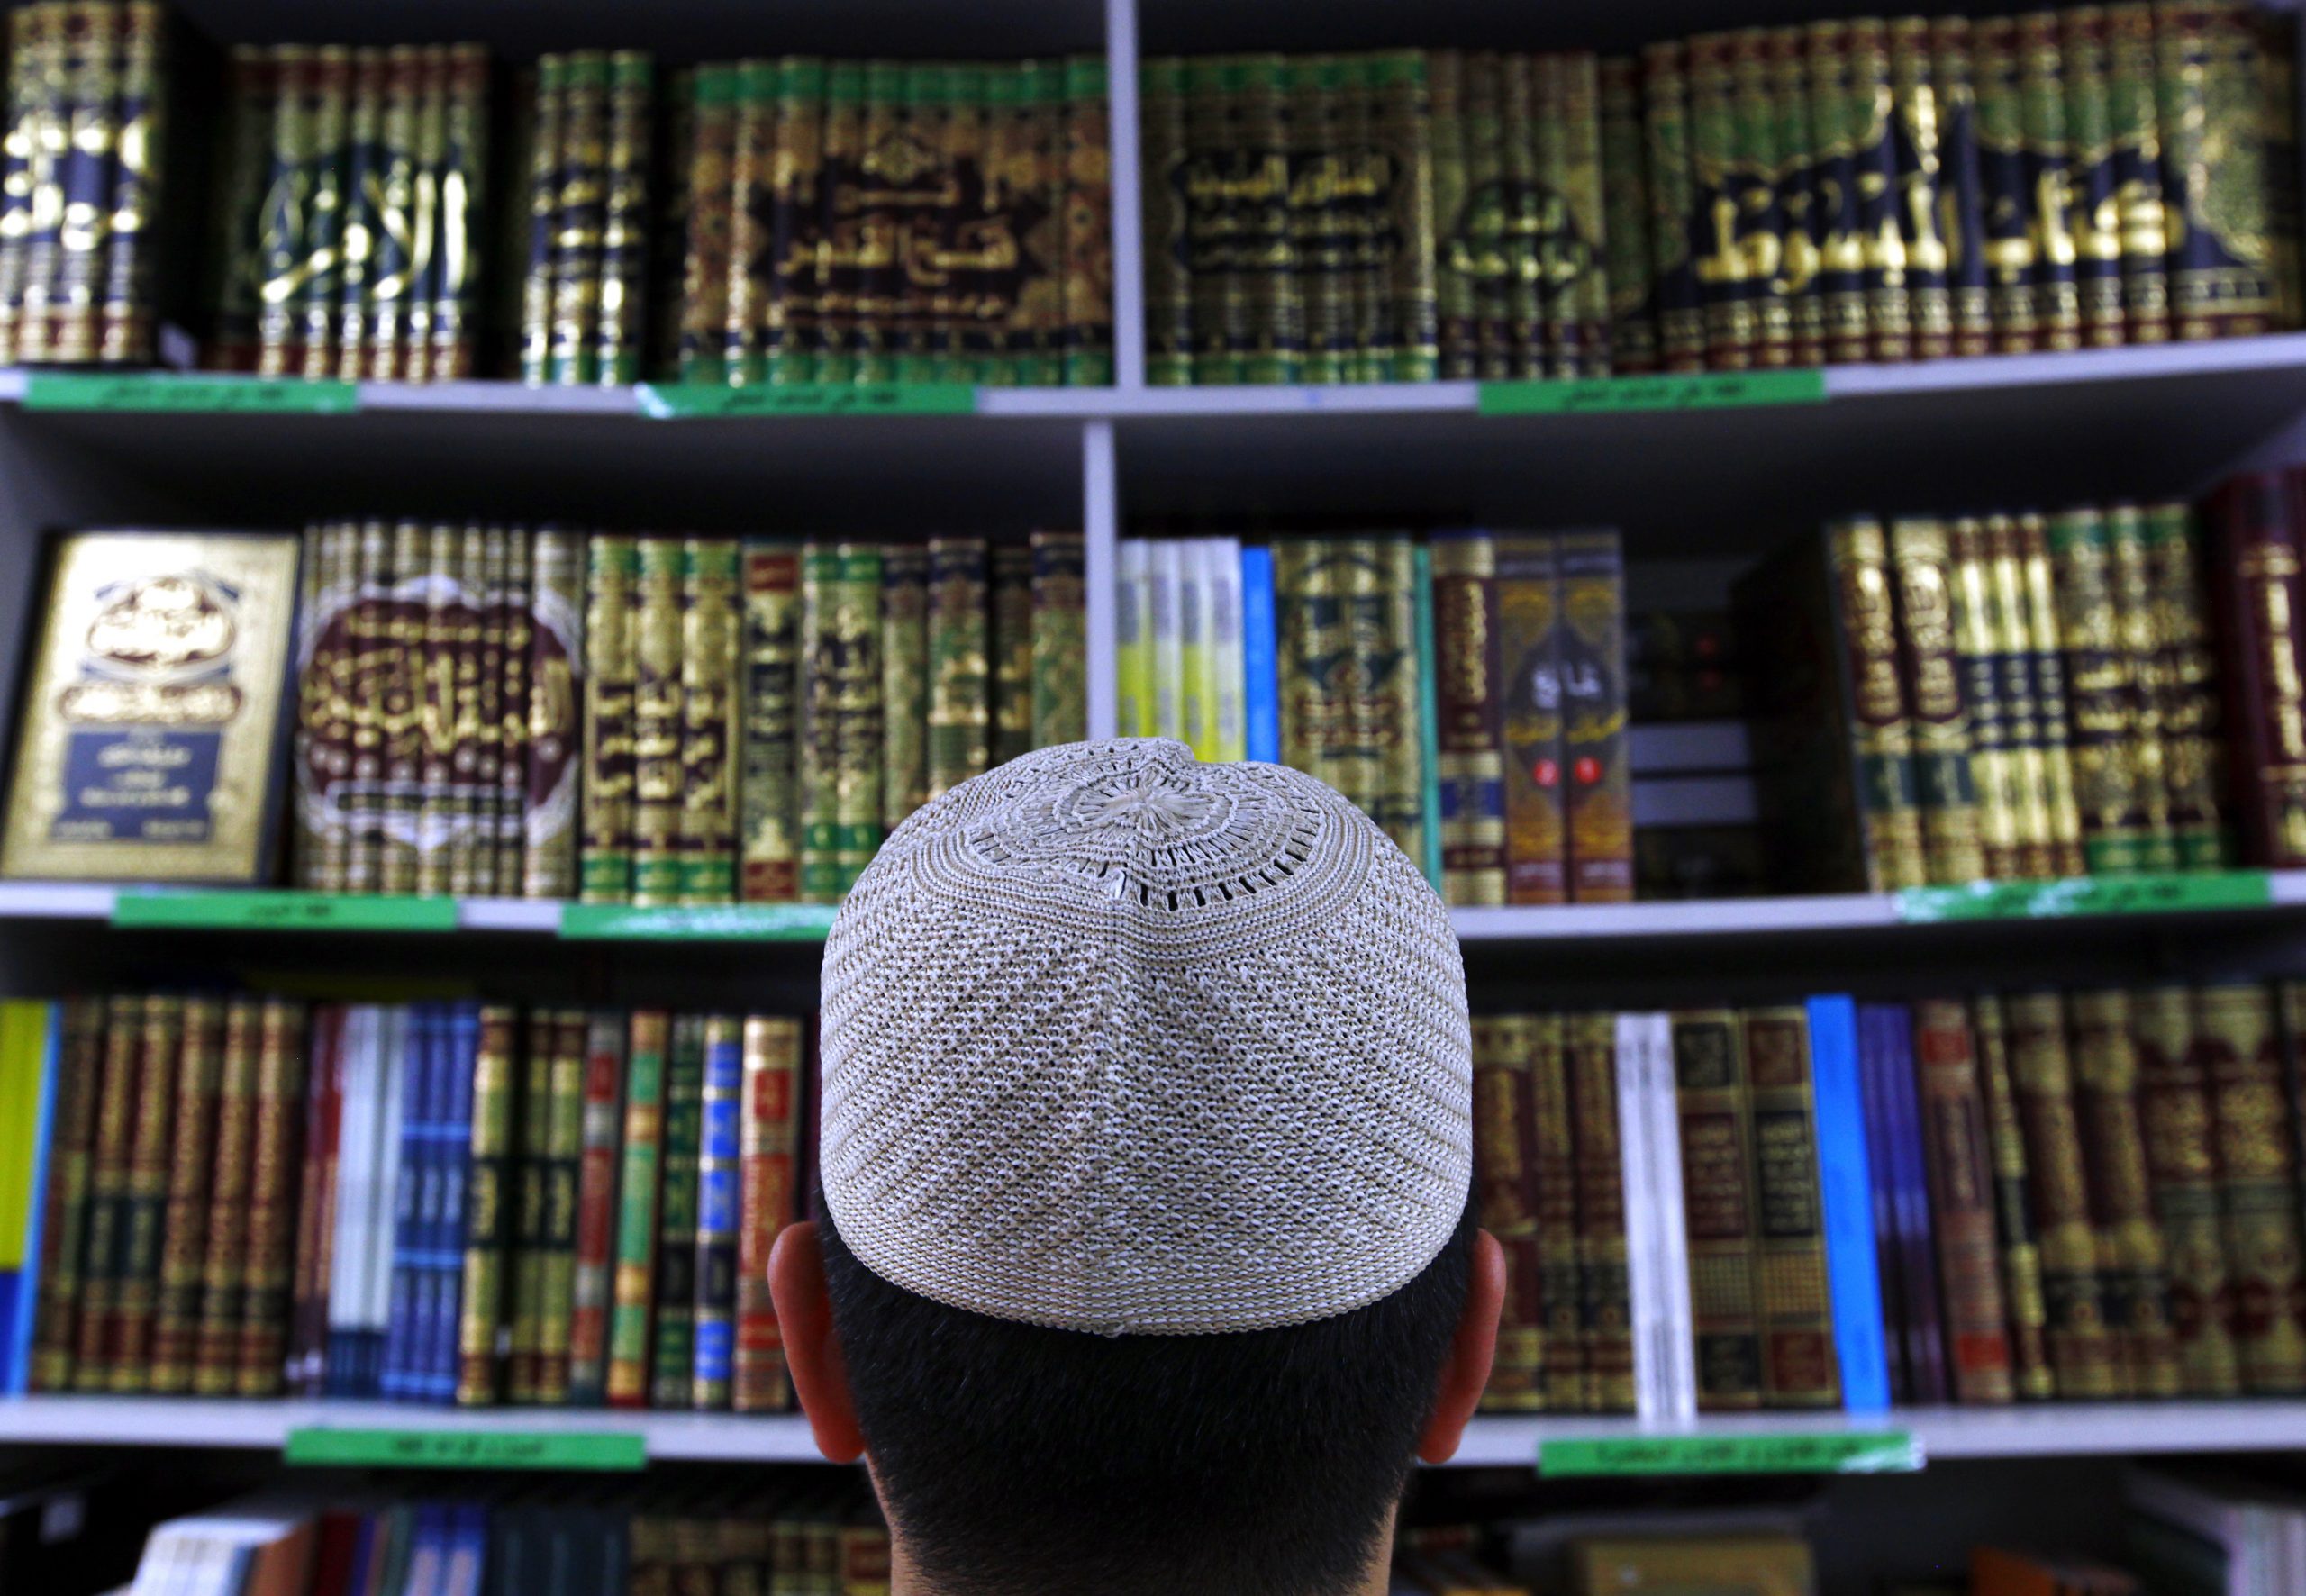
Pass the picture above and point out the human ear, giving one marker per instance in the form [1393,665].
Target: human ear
[1465,1372]
[796,1282]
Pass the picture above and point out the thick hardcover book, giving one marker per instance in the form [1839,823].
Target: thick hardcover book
[417,682]
[2020,1254]
[2257,595]
[489,1208]
[1505,1178]
[2173,1110]
[64,1205]
[1797,199]
[717,1202]
[1387,717]
[440,1301]
[597,1207]
[2101,694]
[1628,268]
[1566,1383]
[2042,634]
[705,264]
[216,1352]
[2135,144]
[840,715]
[2083,1356]
[2213,173]
[356,1216]
[1010,608]
[1529,658]
[317,1199]
[524,1194]
[904,680]
[509,626]
[767,1201]
[2043,115]
[1791,1294]
[959,732]
[2004,160]
[2130,1256]
[1977,657]
[2193,746]
[708,767]
[1261,684]
[1599,768]
[2139,632]
[265,1276]
[1872,119]
[1846,1193]
[563,1122]
[1962,186]
[91,1362]
[1605,1310]
[144,1196]
[554,743]
[657,774]
[2085,43]
[1673,207]
[605,863]
[673,1330]
[1061,659]
[1838,123]
[1886,1051]
[1729,281]
[1961,1200]
[1924,575]
[769,818]
[1312,608]
[1833,727]
[632,1288]
[416,1198]
[1717,1196]
[2250,1068]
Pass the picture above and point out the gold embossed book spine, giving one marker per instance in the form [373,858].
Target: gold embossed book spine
[2099,694]
[266,1273]
[489,1200]
[1628,268]
[706,269]
[2021,1252]
[1470,692]
[2130,1254]
[2138,634]
[581,208]
[768,773]
[29,25]
[1504,1170]
[183,1222]
[1797,192]
[1994,764]
[1586,267]
[2086,42]
[1839,287]
[1962,180]
[1918,100]
[547,131]
[215,1356]
[1673,207]
[1401,119]
[657,626]
[1530,649]
[1762,227]
[2011,247]
[1874,126]
[2046,120]
[1167,221]
[605,863]
[139,159]
[1010,615]
[1725,281]
[92,134]
[1799,1364]
[1605,1309]
[1567,1383]
[1956,1143]
[556,687]
[1060,649]
[510,607]
[768,1142]
[904,680]
[2044,631]
[2193,744]
[2173,1110]
[709,770]
[2136,136]
[959,656]
[2083,1357]
[1716,1117]
[2249,1064]
[1923,577]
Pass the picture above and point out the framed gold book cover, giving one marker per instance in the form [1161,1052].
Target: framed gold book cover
[149,737]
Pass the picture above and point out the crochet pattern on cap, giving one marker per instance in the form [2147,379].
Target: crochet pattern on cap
[1118,1042]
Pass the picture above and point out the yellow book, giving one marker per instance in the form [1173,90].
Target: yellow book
[1133,641]
[24,1047]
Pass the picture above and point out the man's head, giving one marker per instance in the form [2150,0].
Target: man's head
[1146,1150]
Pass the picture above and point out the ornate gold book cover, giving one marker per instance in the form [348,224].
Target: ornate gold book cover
[149,736]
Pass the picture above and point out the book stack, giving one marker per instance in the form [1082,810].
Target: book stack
[431,1202]
[85,165]
[1991,698]
[868,221]
[2011,1198]
[1468,690]
[658,719]
[295,1543]
[1845,191]
[351,213]
[2212,1531]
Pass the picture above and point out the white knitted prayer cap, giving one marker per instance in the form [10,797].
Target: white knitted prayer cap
[1118,1042]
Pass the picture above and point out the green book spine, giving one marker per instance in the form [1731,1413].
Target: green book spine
[738,342]
[1165,169]
[1402,121]
[904,681]
[1428,722]
[1539,307]
[563,1147]
[673,1340]
[2042,74]
[855,662]
[489,1203]
[2099,693]
[1673,208]
[706,272]
[578,228]
[708,670]
[2011,246]
[1918,103]
[633,1287]
[1037,330]
[624,220]
[1366,175]
[817,764]
[513,605]
[2135,139]
[2173,1110]
[1755,120]
[1924,577]
[1724,274]
[321,279]
[768,791]
[1218,295]
[1011,605]
[1276,317]
[1320,244]
[1060,648]
[2138,634]
[956,351]
[2086,46]
[1628,266]
[538,274]
[1588,210]
[790,340]
[1797,196]
[836,284]
[656,626]
[1088,326]
[873,334]
[2194,755]
[960,687]
[1491,272]
[913,299]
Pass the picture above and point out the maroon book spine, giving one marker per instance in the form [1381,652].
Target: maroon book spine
[2254,585]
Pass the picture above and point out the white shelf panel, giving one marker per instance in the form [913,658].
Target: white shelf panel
[2076,1430]
[2114,1429]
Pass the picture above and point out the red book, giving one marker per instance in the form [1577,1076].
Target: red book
[2256,590]
[767,1201]
[1961,1200]
[597,1173]
[316,1212]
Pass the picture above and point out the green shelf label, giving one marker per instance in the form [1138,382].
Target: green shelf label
[686,400]
[714,922]
[1881,1452]
[282,911]
[191,391]
[2086,895]
[1707,390]
[320,1447]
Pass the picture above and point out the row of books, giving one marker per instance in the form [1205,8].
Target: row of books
[1468,690]
[766,220]
[1826,1204]
[431,1202]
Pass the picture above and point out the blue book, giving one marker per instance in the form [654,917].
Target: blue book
[468,1549]
[395,1379]
[1885,1031]
[459,1049]
[1261,696]
[1846,1188]
[713,1355]
[428,1550]
[364,1555]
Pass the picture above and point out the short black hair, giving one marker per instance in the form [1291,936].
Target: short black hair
[1017,1460]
